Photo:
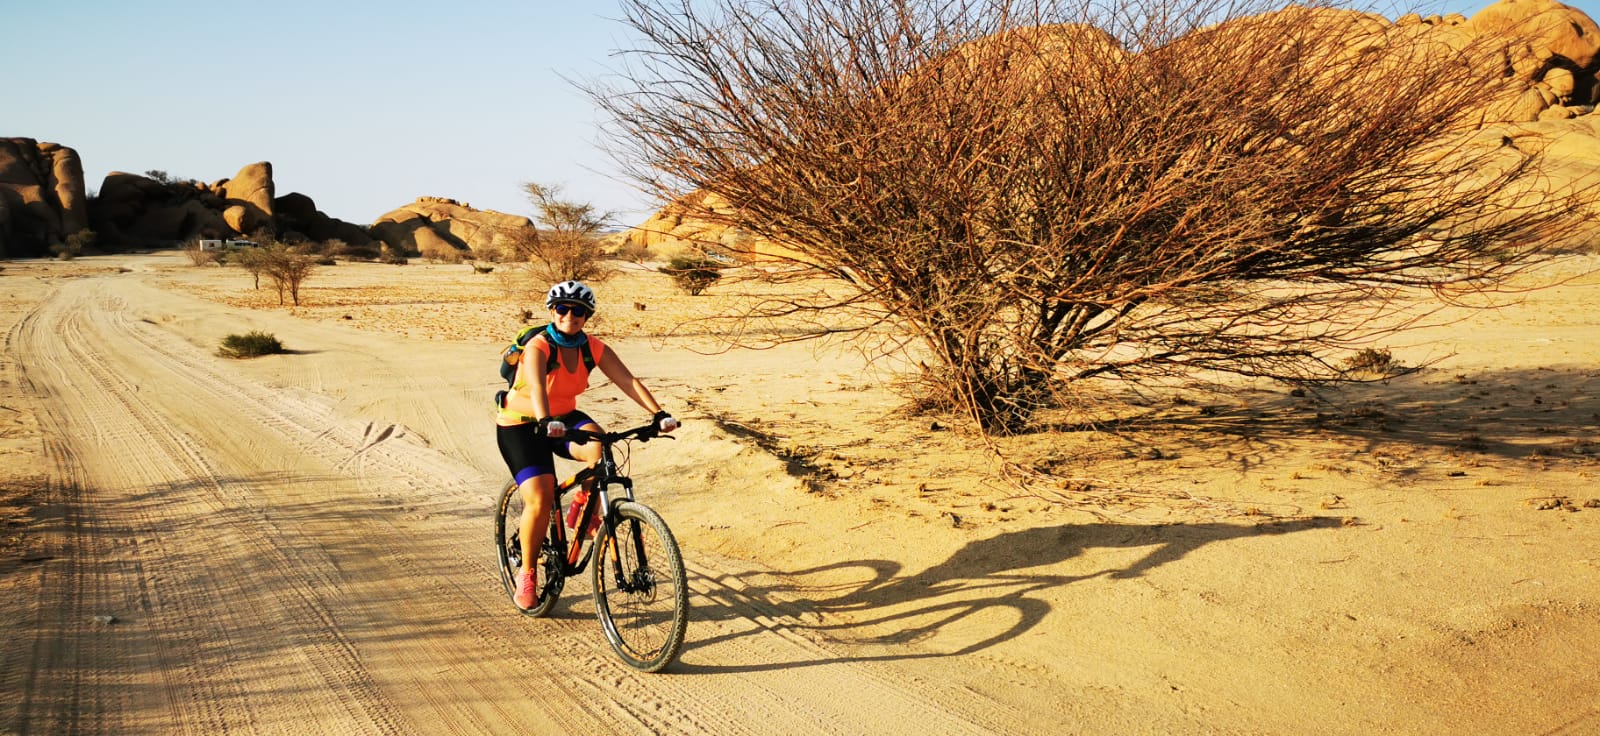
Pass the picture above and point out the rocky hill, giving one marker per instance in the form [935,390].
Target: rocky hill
[41,195]
[435,227]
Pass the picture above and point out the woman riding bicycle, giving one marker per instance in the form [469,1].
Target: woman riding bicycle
[543,402]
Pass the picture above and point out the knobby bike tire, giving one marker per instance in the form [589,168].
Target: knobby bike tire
[507,522]
[643,609]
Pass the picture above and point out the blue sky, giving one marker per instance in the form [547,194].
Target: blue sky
[363,106]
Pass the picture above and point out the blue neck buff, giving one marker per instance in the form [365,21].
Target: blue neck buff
[561,339]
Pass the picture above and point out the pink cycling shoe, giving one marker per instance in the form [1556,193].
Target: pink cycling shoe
[525,593]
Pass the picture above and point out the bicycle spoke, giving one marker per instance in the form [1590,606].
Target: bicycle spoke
[508,548]
[640,590]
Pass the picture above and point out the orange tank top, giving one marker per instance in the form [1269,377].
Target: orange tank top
[562,384]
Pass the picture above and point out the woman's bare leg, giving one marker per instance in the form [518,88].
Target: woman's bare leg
[537,494]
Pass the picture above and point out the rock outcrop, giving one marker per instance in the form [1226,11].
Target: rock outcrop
[42,202]
[1550,52]
[1545,34]
[248,197]
[133,210]
[297,215]
[42,198]
[436,227]
[691,224]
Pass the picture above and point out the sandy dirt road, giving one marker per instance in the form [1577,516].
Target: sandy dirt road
[301,543]
[237,557]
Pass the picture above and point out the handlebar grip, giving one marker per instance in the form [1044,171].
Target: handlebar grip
[642,433]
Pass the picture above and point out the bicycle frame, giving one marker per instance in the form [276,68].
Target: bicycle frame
[606,473]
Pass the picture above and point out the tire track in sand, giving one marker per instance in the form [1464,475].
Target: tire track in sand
[252,492]
[247,508]
[158,519]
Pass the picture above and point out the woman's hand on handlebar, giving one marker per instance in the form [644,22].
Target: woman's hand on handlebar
[664,421]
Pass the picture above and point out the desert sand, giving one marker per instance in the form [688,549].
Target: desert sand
[300,543]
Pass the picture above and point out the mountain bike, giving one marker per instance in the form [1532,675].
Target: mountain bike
[641,593]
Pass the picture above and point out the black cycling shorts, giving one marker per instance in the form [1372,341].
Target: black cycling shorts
[529,454]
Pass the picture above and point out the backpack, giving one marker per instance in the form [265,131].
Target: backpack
[512,355]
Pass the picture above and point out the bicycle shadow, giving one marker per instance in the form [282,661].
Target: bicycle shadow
[998,572]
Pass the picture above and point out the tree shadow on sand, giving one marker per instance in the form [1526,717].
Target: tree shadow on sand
[1004,571]
[1544,413]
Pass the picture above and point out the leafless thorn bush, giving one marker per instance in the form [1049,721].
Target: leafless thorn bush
[1043,193]
[197,255]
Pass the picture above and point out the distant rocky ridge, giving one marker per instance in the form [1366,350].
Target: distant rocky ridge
[133,209]
[1553,111]
[43,202]
[435,227]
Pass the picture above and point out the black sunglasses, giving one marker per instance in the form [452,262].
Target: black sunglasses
[576,310]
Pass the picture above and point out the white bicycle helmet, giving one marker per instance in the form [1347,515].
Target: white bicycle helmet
[570,292]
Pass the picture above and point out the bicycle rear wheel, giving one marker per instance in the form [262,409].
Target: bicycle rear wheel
[508,547]
[641,592]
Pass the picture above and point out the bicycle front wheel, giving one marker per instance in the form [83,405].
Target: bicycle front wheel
[508,547]
[641,592]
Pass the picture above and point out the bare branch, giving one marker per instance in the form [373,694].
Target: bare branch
[1044,192]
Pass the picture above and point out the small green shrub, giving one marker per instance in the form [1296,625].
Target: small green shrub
[1373,360]
[74,245]
[693,273]
[340,249]
[81,241]
[633,253]
[443,254]
[250,345]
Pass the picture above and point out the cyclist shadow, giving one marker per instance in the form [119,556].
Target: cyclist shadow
[1001,572]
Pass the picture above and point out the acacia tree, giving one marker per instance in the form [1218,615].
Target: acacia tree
[567,243]
[253,262]
[1043,193]
[286,268]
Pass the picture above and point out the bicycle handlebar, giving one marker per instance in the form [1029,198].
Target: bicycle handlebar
[643,433]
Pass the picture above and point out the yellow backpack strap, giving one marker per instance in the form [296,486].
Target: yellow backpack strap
[512,355]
